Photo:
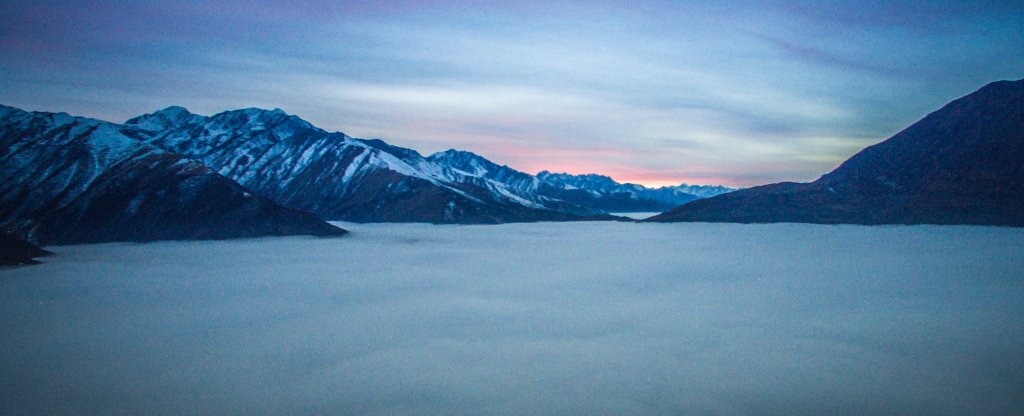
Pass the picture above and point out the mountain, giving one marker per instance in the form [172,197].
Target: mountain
[291,162]
[700,191]
[467,167]
[962,164]
[580,194]
[602,192]
[337,177]
[15,251]
[66,180]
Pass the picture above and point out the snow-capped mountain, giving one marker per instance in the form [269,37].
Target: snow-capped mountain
[701,191]
[286,160]
[575,193]
[66,179]
[296,164]
[338,177]
[467,167]
[603,192]
[462,166]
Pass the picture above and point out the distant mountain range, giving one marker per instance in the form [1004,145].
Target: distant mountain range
[601,192]
[338,177]
[253,172]
[963,164]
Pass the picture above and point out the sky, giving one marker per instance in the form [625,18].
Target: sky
[659,93]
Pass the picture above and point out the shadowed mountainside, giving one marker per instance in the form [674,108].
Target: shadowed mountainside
[962,164]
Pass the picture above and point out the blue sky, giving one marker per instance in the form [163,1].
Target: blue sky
[738,93]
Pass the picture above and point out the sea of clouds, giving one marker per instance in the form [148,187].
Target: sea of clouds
[525,319]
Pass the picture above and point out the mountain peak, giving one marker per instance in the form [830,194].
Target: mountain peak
[256,111]
[175,110]
[261,118]
[578,181]
[453,153]
[573,175]
[468,162]
[170,117]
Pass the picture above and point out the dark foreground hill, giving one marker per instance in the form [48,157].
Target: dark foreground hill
[963,164]
[15,251]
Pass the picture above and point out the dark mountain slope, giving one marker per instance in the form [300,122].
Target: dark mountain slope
[963,164]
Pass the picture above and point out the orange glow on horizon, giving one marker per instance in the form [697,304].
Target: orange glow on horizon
[599,161]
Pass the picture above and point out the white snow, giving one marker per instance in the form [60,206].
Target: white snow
[532,319]
[503,191]
[434,170]
[109,145]
[354,166]
[310,154]
[388,161]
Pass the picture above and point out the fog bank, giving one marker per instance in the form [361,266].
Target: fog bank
[525,319]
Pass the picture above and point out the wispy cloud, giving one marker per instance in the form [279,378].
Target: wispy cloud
[745,93]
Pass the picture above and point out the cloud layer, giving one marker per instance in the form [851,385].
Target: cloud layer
[539,319]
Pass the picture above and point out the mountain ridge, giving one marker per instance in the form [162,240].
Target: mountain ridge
[961,164]
[291,162]
[66,179]
[288,160]
[339,177]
